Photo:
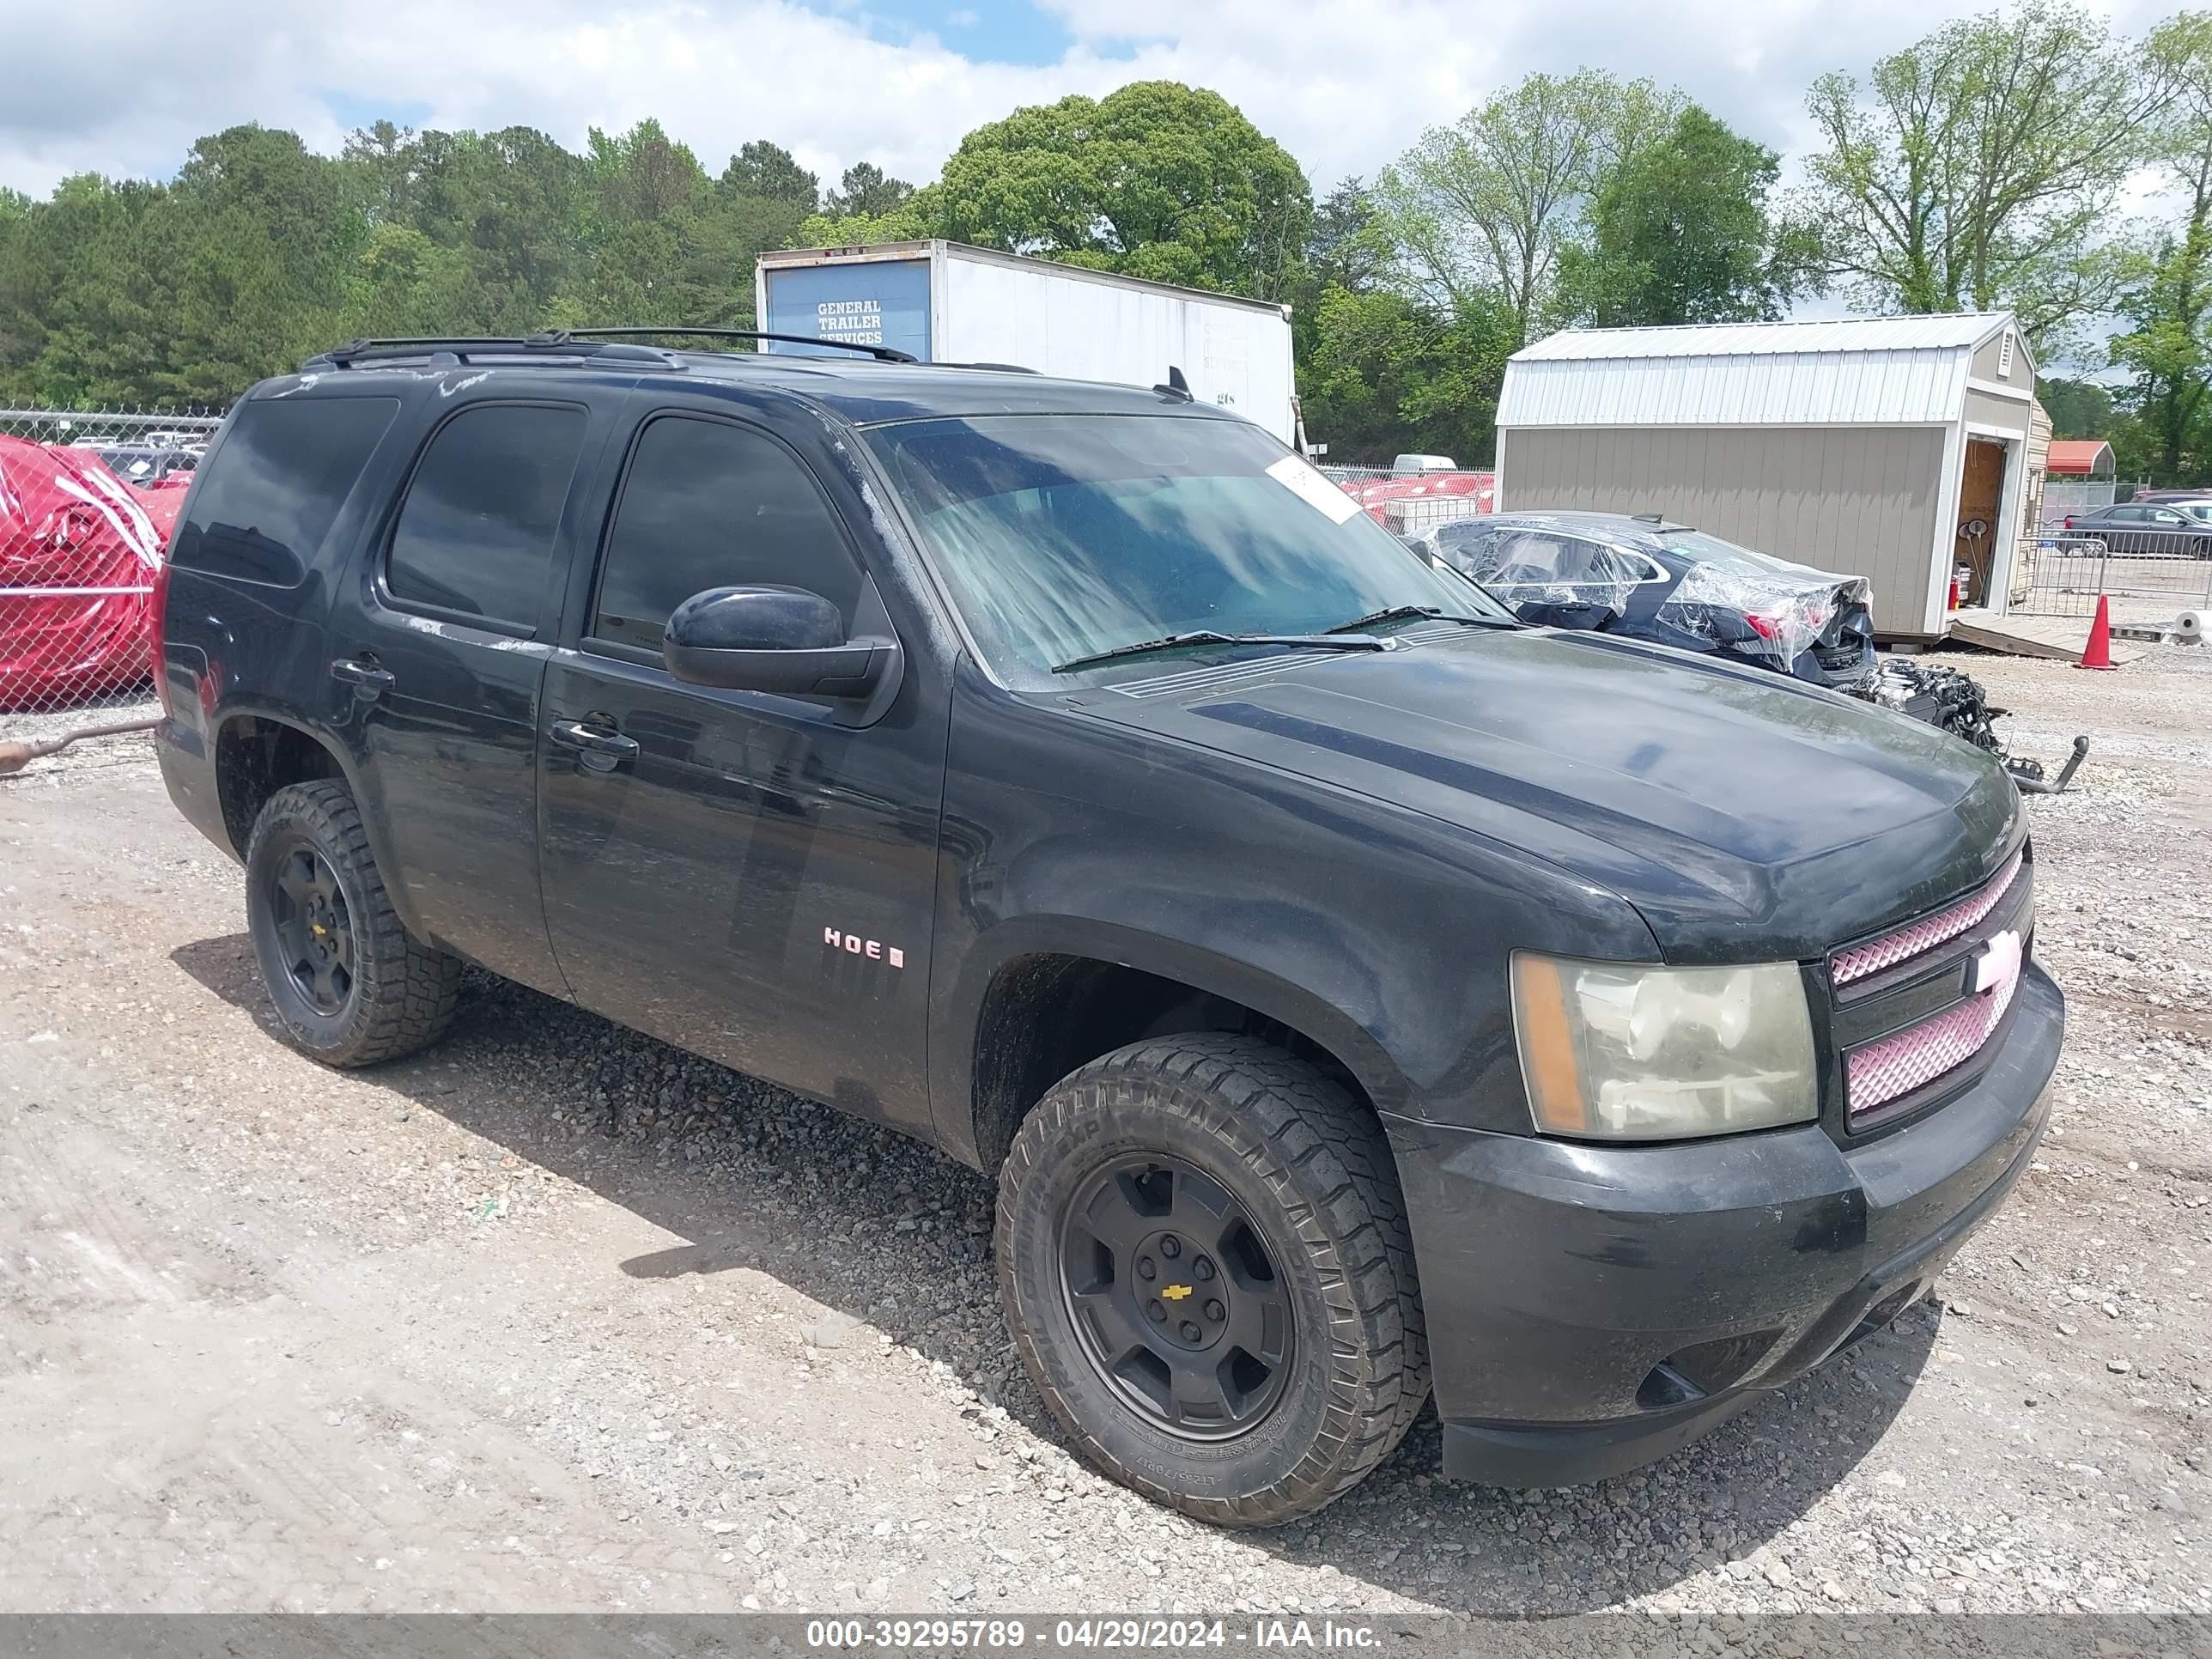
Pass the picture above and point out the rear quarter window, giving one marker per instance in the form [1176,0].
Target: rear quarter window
[476,533]
[271,493]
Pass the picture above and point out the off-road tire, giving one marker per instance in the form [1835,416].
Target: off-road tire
[404,992]
[1313,1172]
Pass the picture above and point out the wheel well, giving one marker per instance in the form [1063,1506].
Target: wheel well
[253,759]
[1046,1015]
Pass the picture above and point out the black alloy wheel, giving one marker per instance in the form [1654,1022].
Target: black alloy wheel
[1174,1297]
[350,984]
[1208,1272]
[314,931]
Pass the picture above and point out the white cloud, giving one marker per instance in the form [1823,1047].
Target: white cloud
[121,87]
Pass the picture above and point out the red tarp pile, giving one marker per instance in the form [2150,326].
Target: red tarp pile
[77,557]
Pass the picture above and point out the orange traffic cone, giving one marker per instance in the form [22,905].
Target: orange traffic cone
[2098,654]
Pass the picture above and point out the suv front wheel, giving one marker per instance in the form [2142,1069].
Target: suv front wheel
[350,984]
[1205,1265]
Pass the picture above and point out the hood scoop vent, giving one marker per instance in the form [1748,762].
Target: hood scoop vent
[1200,679]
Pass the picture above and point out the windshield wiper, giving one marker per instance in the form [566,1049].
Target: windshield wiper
[1407,613]
[1332,640]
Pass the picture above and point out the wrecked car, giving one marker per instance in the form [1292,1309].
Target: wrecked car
[1645,577]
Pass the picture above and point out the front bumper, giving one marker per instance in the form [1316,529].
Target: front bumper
[1592,1308]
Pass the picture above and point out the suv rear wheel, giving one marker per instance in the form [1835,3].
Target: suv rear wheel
[1205,1263]
[350,984]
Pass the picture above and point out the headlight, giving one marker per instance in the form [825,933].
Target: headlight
[1613,1051]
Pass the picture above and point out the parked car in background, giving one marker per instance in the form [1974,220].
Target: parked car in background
[2141,530]
[1645,577]
[1424,464]
[195,443]
[143,464]
[2197,504]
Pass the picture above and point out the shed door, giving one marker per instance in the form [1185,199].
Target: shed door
[1981,489]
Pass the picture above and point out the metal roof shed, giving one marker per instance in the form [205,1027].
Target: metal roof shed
[2080,457]
[1890,447]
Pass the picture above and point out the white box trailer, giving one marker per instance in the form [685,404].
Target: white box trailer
[950,303]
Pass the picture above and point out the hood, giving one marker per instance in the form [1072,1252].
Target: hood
[1747,816]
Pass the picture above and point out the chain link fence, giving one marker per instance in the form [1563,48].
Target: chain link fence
[2064,496]
[1406,503]
[1350,477]
[88,498]
[1409,516]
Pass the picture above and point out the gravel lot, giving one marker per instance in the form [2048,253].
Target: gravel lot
[556,1318]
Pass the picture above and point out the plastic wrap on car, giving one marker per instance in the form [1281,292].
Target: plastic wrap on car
[1759,606]
[1520,566]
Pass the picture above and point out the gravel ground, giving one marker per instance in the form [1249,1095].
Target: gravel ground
[557,1318]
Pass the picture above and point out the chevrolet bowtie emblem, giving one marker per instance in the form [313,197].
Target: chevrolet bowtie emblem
[1176,1292]
[1996,965]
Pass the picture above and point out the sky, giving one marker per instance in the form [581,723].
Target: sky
[124,86]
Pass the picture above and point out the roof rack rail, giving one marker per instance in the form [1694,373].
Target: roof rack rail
[462,348]
[882,353]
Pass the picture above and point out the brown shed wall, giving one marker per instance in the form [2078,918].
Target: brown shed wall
[1859,500]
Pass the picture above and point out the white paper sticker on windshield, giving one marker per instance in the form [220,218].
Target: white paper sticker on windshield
[1310,487]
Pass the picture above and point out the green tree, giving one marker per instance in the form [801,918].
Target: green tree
[516,206]
[2168,348]
[1155,180]
[866,193]
[1384,374]
[1484,207]
[916,219]
[269,235]
[1977,169]
[88,293]
[2078,408]
[644,176]
[406,284]
[381,160]
[772,172]
[1679,234]
[1349,245]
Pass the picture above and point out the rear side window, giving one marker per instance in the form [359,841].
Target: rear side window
[273,488]
[476,532]
[708,505]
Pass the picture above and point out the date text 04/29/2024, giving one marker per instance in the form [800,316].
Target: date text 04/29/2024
[1002,1634]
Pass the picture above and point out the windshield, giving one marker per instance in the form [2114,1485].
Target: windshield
[1063,536]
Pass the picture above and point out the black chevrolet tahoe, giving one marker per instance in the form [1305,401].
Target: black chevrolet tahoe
[1359,995]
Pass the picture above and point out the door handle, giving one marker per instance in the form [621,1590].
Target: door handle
[591,740]
[368,681]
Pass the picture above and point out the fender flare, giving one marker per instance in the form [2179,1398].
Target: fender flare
[348,762]
[963,1007]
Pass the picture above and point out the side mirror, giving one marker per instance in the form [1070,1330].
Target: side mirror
[771,639]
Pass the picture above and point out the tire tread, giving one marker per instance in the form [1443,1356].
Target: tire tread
[1325,1155]
[409,991]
